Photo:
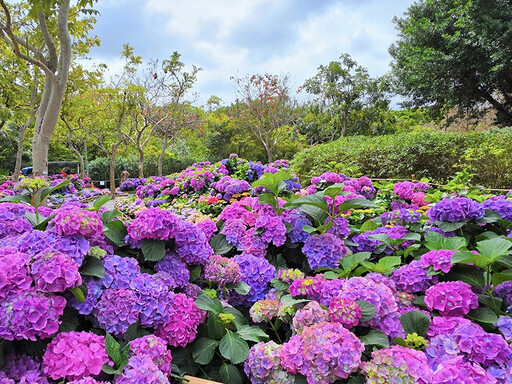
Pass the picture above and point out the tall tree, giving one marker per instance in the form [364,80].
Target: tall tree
[343,90]
[52,54]
[265,106]
[456,53]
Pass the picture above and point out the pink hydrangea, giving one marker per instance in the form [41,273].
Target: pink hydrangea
[74,355]
[454,298]
[77,222]
[309,315]
[264,310]
[440,260]
[262,366]
[14,272]
[141,369]
[154,347]
[344,311]
[222,270]
[153,223]
[55,272]
[457,370]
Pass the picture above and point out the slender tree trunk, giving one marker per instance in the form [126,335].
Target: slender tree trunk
[113,169]
[80,159]
[161,157]
[141,163]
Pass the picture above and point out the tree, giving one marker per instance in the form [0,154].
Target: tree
[455,53]
[343,89]
[266,108]
[52,54]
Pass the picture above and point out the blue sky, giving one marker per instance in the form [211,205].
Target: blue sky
[238,37]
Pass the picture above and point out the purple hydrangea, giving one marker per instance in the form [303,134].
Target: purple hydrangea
[413,277]
[154,347]
[55,272]
[141,369]
[154,223]
[272,229]
[94,291]
[191,244]
[182,326]
[175,268]
[500,205]
[87,380]
[441,348]
[397,364]
[116,310]
[74,355]
[504,324]
[457,370]
[257,272]
[119,271]
[309,315]
[453,298]
[14,272]
[15,366]
[440,260]
[504,290]
[441,325]
[456,210]
[77,222]
[234,231]
[400,216]
[325,250]
[28,314]
[344,311]
[327,352]
[222,270]
[340,227]
[208,226]
[297,219]
[263,365]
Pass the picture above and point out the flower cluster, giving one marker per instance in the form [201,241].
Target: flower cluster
[154,347]
[191,244]
[77,222]
[176,269]
[439,260]
[257,272]
[309,315]
[141,369]
[500,205]
[153,223]
[413,277]
[451,298]
[344,311]
[55,272]
[325,250]
[263,365]
[456,210]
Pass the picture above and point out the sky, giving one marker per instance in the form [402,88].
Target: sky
[238,37]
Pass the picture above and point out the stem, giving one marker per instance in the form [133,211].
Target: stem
[275,331]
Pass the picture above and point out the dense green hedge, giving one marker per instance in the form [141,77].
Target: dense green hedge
[436,155]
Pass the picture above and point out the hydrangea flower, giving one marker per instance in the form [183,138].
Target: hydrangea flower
[504,290]
[14,271]
[94,291]
[119,271]
[397,364]
[325,250]
[27,314]
[412,278]
[272,229]
[6,380]
[290,275]
[182,326]
[74,355]
[344,311]
[87,380]
[191,244]
[340,227]
[222,270]
[77,222]
[440,260]
[502,206]
[116,310]
[451,298]
[328,352]
[297,219]
[264,310]
[456,210]
[154,347]
[257,272]
[153,223]
[55,272]
[262,366]
[504,324]
[309,315]
[441,325]
[457,370]
[175,268]
[234,230]
[15,366]
[141,369]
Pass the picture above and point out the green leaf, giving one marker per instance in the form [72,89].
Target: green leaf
[203,350]
[100,201]
[309,200]
[215,326]
[229,374]
[92,266]
[367,309]
[356,204]
[206,303]
[279,285]
[357,380]
[80,292]
[333,190]
[377,338]
[252,333]
[47,190]
[369,225]
[153,250]
[483,315]
[490,217]
[220,245]
[233,347]
[116,232]
[494,248]
[134,332]
[113,348]
[467,257]
[498,278]
[242,288]
[351,261]
[446,226]
[16,199]
[289,301]
[240,319]
[468,274]
[415,322]
[109,215]
[267,198]
[317,214]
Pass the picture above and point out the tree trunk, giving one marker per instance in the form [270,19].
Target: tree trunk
[113,170]
[161,157]
[80,160]
[141,163]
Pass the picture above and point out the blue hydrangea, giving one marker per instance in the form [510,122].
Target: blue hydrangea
[119,271]
[257,273]
[325,250]
[175,268]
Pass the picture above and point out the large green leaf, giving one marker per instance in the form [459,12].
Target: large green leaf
[494,248]
[356,204]
[367,309]
[446,226]
[233,347]
[220,245]
[467,257]
[309,200]
[228,373]
[483,315]
[45,192]
[215,326]
[115,231]
[252,333]
[100,201]
[415,322]
[206,303]
[92,266]
[377,338]
[349,262]
[468,274]
[203,350]
[153,250]
[16,199]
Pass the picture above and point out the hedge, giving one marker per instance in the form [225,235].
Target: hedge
[433,154]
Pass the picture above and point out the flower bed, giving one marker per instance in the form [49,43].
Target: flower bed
[241,275]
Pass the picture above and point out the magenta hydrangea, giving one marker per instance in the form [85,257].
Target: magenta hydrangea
[55,272]
[182,326]
[222,270]
[74,355]
[439,260]
[154,347]
[234,230]
[257,272]
[413,277]
[154,223]
[397,364]
[328,352]
[87,380]
[14,271]
[453,298]
[441,325]
[176,269]
[312,313]
[30,314]
[191,244]
[141,369]
[345,311]
[458,371]
[77,222]
[263,365]
[325,250]
[116,310]
[456,210]
[272,229]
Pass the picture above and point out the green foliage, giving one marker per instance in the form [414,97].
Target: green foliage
[436,155]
